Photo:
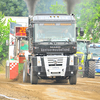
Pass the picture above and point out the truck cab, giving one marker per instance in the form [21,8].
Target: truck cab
[52,44]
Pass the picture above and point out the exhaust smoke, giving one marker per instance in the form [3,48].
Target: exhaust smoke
[31,6]
[70,5]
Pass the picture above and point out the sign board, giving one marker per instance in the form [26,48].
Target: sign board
[20,31]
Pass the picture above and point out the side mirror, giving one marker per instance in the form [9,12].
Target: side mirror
[81,31]
[27,32]
[76,31]
[31,31]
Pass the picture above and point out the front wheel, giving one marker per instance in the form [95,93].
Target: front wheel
[73,79]
[33,77]
[25,75]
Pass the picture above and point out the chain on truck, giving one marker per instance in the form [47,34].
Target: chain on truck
[52,44]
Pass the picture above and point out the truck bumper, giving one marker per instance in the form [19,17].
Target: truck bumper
[48,69]
[71,70]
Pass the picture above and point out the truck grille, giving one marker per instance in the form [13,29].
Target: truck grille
[55,61]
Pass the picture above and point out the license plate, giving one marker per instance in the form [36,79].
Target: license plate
[55,67]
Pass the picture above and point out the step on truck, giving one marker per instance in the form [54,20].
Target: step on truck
[52,44]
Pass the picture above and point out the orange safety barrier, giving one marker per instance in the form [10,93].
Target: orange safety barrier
[21,59]
[13,70]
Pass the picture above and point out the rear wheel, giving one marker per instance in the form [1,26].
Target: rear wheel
[26,77]
[33,77]
[73,79]
[91,73]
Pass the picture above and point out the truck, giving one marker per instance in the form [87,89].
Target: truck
[86,65]
[52,41]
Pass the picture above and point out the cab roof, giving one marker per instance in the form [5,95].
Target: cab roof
[53,18]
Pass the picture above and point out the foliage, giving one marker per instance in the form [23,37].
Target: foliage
[89,18]
[13,8]
[43,6]
[4,35]
[19,7]
[3,65]
[58,8]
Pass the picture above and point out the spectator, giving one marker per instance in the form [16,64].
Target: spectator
[23,46]
[11,58]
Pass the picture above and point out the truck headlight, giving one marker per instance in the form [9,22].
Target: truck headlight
[71,60]
[39,61]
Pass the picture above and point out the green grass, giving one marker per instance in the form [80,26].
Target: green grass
[3,66]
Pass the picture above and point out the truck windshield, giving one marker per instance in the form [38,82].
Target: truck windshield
[95,51]
[81,47]
[55,33]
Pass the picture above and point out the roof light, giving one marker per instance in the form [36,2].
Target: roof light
[65,24]
[58,16]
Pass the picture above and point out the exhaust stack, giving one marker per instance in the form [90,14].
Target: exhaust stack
[70,5]
[31,6]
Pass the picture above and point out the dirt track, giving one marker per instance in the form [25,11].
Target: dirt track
[86,89]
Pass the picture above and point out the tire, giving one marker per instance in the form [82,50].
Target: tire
[26,77]
[85,74]
[33,77]
[91,73]
[73,79]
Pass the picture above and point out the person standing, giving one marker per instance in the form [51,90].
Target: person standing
[23,46]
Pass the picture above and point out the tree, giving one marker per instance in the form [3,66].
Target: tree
[19,7]
[58,8]
[43,6]
[4,35]
[13,8]
[89,18]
